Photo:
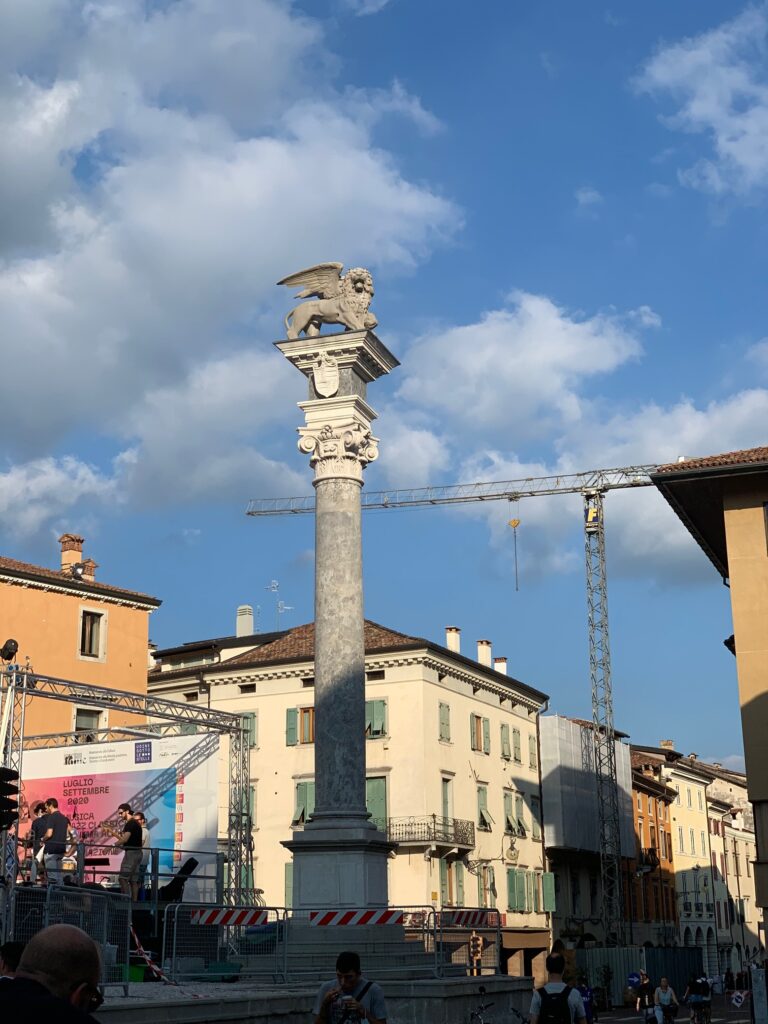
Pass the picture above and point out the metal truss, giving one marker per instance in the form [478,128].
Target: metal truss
[603,732]
[458,494]
[17,687]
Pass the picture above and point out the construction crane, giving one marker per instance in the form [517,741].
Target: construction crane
[592,485]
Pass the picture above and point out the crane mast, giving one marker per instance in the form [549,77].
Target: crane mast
[593,486]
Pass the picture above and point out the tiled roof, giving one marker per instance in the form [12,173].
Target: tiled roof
[299,645]
[588,725]
[26,570]
[747,456]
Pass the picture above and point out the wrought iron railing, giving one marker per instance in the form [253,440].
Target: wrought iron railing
[649,857]
[431,828]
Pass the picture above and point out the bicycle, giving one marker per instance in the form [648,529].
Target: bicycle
[477,1016]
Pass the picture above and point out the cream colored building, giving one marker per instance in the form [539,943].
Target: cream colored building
[452,765]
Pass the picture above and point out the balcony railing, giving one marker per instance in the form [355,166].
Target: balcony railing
[710,908]
[431,828]
[687,907]
[699,908]
[649,857]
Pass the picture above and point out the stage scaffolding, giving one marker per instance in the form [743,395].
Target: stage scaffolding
[161,718]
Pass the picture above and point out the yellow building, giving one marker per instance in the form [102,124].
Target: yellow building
[70,626]
[723,502]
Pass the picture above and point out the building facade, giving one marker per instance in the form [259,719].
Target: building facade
[71,626]
[453,772]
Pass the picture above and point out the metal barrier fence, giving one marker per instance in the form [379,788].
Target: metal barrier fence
[105,916]
[201,942]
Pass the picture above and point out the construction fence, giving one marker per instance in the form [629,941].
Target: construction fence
[608,968]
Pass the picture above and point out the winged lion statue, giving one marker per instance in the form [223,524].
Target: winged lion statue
[332,298]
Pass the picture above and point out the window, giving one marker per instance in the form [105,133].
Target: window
[444,711]
[536,817]
[533,754]
[703,844]
[87,722]
[640,802]
[251,729]
[517,890]
[689,796]
[516,754]
[247,688]
[299,726]
[717,912]
[480,729]
[375,674]
[375,719]
[677,797]
[680,844]
[484,820]
[510,824]
[748,865]
[506,746]
[92,634]
[692,837]
[650,805]
[305,802]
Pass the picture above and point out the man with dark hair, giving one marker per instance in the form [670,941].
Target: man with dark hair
[57,979]
[350,998]
[556,1002]
[10,953]
[130,840]
[55,837]
[35,840]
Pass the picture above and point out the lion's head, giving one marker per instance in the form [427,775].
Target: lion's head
[357,288]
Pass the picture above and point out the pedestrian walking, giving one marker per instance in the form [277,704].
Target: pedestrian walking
[644,1003]
[556,1002]
[351,997]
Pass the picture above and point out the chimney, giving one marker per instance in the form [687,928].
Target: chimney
[667,744]
[89,569]
[244,621]
[500,664]
[151,663]
[71,550]
[692,757]
[484,652]
[453,639]
[716,764]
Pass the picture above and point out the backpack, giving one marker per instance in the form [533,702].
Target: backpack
[554,1006]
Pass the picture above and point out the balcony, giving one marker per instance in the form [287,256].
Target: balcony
[711,909]
[431,830]
[687,907]
[649,858]
[699,908]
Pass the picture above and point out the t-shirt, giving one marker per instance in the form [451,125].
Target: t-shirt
[133,828]
[145,846]
[373,1001]
[575,1002]
[37,830]
[59,826]
[645,994]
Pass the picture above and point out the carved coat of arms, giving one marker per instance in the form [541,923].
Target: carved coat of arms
[325,375]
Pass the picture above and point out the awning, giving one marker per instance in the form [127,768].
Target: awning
[525,938]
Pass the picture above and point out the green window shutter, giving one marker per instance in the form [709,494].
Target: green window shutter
[511,890]
[533,758]
[506,752]
[445,722]
[510,825]
[536,817]
[443,882]
[250,727]
[379,718]
[486,736]
[300,810]
[309,799]
[459,884]
[516,745]
[369,718]
[472,732]
[548,891]
[536,899]
[376,801]
[520,813]
[289,884]
[529,880]
[291,727]
[520,890]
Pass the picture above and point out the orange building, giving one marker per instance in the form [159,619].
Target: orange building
[72,627]
[649,889]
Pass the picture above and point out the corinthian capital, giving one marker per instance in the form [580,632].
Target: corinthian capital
[339,450]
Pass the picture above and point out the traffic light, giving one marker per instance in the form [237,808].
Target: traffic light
[9,797]
[475,946]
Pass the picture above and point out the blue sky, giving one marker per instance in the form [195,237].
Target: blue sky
[564,209]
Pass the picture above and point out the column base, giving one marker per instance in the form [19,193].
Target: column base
[335,868]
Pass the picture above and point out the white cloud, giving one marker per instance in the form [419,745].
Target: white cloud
[718,83]
[520,368]
[365,7]
[33,494]
[587,197]
[758,354]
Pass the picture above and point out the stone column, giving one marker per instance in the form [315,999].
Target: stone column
[340,858]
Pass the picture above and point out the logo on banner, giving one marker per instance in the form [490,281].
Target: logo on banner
[71,759]
[143,752]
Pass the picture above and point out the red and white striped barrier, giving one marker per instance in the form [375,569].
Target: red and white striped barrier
[334,918]
[467,919]
[150,962]
[217,915]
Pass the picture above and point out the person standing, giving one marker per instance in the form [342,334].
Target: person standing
[35,840]
[130,840]
[556,1002]
[55,840]
[351,997]
[645,998]
[588,998]
[145,850]
[665,1002]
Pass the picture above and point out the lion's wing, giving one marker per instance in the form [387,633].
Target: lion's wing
[324,281]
